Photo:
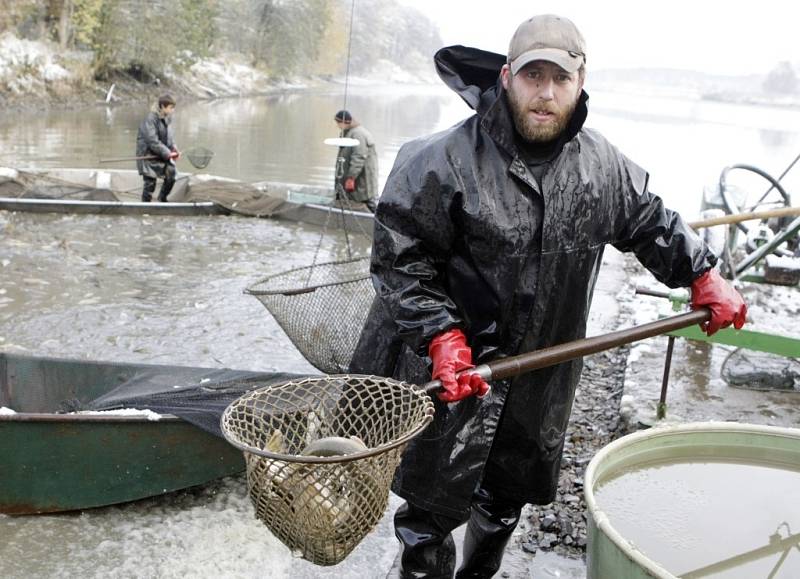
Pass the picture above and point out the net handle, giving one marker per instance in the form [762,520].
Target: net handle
[199,157]
[503,368]
[523,363]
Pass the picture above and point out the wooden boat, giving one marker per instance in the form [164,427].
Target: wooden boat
[117,192]
[53,461]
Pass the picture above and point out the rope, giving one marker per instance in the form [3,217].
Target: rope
[349,47]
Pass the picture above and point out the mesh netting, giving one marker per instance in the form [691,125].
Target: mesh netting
[37,185]
[199,157]
[321,453]
[755,370]
[321,308]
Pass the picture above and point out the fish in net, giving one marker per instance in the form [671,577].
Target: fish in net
[321,454]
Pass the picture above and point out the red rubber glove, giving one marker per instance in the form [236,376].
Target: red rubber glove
[350,184]
[451,354]
[726,305]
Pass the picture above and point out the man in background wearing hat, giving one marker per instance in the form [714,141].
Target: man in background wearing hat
[488,240]
[357,166]
[156,138]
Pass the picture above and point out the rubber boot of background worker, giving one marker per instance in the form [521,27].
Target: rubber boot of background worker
[426,545]
[169,181]
[149,189]
[491,523]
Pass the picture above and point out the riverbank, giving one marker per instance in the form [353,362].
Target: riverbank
[36,75]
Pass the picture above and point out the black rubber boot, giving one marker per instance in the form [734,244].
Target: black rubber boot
[491,523]
[426,545]
[148,189]
[169,181]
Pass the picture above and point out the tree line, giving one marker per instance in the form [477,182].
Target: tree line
[285,37]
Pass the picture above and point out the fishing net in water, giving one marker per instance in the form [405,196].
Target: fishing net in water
[199,157]
[21,184]
[238,197]
[321,454]
[321,308]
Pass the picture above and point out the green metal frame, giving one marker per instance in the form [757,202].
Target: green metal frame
[772,343]
[759,341]
[748,339]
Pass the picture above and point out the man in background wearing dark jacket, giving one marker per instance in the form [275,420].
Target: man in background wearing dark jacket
[156,139]
[488,240]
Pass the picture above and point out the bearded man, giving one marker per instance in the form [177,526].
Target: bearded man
[488,240]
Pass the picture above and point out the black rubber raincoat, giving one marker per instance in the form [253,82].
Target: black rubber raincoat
[465,237]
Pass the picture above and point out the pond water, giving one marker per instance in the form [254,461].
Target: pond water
[169,290]
[684,144]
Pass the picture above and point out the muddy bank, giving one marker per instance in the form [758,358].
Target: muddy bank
[36,75]
[219,79]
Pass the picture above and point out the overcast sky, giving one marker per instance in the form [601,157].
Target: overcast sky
[714,36]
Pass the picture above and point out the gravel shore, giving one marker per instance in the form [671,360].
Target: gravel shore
[595,421]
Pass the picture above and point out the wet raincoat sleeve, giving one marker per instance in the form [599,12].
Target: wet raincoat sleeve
[414,235]
[659,237]
[150,135]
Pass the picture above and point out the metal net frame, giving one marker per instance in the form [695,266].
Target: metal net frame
[321,507]
[321,308]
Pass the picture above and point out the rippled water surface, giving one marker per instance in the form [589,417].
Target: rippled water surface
[169,289]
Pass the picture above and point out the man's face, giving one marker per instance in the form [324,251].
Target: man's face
[342,125]
[543,97]
[167,110]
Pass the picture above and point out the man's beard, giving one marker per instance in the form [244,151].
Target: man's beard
[535,132]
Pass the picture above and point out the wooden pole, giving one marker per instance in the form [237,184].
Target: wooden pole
[739,217]
[517,365]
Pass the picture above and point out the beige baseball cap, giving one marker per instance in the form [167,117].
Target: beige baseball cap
[547,37]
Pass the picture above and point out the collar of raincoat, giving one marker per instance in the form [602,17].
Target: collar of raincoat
[474,75]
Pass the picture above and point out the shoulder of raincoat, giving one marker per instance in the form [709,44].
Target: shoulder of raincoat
[155,137]
[461,235]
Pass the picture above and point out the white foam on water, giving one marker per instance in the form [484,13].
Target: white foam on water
[206,532]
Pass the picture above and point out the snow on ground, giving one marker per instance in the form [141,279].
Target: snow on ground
[696,388]
[149,414]
[227,75]
[27,65]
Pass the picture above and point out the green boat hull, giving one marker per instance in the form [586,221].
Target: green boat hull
[61,462]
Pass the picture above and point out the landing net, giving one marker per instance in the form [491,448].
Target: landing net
[321,453]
